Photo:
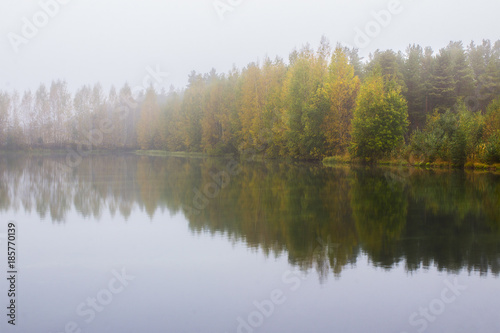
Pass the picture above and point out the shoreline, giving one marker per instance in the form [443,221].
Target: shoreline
[327,161]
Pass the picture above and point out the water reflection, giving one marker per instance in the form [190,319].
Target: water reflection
[322,218]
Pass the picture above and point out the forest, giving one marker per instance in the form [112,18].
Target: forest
[416,105]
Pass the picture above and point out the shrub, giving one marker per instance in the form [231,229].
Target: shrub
[492,149]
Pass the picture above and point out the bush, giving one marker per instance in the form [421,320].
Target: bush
[450,136]
[458,148]
[492,149]
[434,142]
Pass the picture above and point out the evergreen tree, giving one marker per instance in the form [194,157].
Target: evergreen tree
[428,64]
[462,72]
[443,92]
[355,61]
[413,75]
[485,62]
[390,65]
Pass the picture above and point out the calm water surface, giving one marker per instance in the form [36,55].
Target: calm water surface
[153,244]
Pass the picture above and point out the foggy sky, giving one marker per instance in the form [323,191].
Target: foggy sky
[118,41]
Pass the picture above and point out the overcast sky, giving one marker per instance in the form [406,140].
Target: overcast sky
[118,41]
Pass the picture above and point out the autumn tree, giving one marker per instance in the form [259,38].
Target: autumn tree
[340,90]
[274,73]
[252,105]
[15,132]
[4,116]
[171,131]
[260,104]
[213,118]
[81,123]
[60,109]
[148,131]
[44,133]
[26,109]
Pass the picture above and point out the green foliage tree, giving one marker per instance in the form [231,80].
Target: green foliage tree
[301,113]
[380,119]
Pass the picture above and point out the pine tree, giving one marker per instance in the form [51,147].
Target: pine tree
[462,72]
[390,65]
[443,93]
[485,62]
[413,75]
[428,64]
[355,61]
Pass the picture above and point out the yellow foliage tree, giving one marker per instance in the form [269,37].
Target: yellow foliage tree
[341,90]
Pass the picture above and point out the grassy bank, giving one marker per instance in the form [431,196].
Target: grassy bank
[334,160]
[170,153]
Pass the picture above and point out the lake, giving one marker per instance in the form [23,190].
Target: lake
[126,243]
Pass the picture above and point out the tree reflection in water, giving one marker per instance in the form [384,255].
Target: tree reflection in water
[321,217]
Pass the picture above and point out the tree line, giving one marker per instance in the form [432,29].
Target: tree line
[415,104]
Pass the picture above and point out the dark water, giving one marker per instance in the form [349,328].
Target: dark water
[152,244]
